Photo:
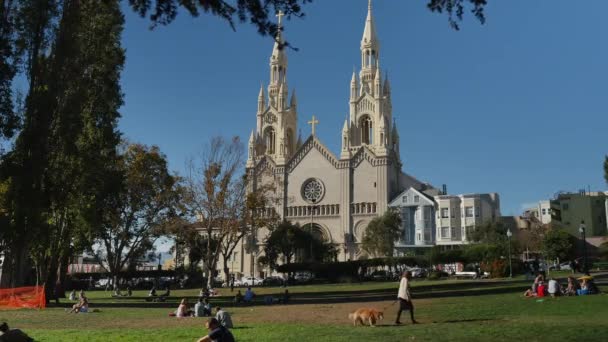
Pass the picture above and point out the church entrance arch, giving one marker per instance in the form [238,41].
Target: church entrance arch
[318,231]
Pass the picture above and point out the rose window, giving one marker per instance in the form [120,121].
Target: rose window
[313,190]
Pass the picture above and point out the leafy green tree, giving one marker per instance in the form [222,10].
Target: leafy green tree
[140,211]
[288,240]
[9,120]
[559,244]
[260,13]
[381,234]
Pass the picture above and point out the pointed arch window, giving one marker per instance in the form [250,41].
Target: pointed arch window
[270,140]
[366,130]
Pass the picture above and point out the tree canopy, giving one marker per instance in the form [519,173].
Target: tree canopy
[381,234]
[559,244]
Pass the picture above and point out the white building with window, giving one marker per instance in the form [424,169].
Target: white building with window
[430,218]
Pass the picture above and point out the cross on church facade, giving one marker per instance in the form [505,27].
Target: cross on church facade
[313,122]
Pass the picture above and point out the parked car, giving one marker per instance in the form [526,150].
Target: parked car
[237,283]
[418,272]
[564,266]
[303,277]
[272,280]
[380,275]
[251,281]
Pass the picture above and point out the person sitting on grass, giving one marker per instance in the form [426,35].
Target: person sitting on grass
[249,295]
[572,287]
[152,292]
[238,297]
[10,335]
[217,332]
[223,317]
[72,296]
[199,308]
[117,292]
[554,288]
[285,298]
[183,310]
[539,279]
[129,292]
[81,306]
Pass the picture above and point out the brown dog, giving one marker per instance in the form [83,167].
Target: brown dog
[365,316]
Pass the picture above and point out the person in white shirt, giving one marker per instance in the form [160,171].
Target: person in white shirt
[554,289]
[404,297]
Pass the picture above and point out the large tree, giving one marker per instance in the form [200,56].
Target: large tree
[288,240]
[215,195]
[66,150]
[558,244]
[381,233]
[140,210]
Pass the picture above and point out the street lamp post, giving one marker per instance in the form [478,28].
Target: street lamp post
[509,234]
[581,230]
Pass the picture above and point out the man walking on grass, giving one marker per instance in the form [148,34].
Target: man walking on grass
[404,297]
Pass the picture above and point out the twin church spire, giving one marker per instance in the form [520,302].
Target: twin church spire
[370,119]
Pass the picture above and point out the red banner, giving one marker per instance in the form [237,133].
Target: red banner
[23,297]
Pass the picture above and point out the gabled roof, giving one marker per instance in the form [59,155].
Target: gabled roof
[395,202]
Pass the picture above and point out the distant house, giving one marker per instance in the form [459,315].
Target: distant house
[431,218]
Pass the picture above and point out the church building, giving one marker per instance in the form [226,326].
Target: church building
[335,196]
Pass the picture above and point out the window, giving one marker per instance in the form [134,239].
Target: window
[416,199]
[427,213]
[418,237]
[565,206]
[366,130]
[404,199]
[444,213]
[427,235]
[453,231]
[453,212]
[445,231]
[477,212]
[468,211]
[269,140]
[544,211]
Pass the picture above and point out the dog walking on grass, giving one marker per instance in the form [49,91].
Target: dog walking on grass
[366,316]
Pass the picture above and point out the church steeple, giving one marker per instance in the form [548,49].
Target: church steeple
[370,52]
[278,64]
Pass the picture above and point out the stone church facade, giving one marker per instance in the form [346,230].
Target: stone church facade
[335,196]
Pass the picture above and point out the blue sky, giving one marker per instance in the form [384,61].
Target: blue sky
[517,106]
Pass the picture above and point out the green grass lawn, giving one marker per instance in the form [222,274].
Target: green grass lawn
[447,310]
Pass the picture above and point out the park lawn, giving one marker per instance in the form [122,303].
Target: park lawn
[498,317]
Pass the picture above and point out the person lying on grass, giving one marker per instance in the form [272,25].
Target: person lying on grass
[7,334]
[217,332]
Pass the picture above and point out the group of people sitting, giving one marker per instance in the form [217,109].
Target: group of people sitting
[553,288]
[268,299]
[208,292]
[118,293]
[203,309]
[153,297]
